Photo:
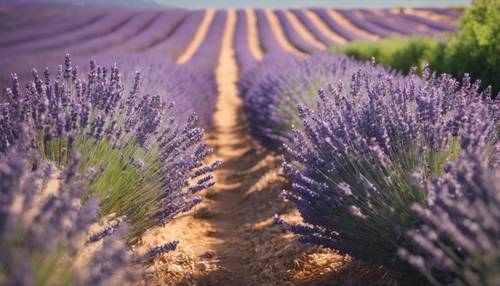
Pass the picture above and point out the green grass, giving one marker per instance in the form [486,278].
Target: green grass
[397,52]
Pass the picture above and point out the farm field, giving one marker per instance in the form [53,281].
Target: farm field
[166,146]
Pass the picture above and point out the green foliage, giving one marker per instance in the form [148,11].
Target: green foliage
[473,49]
[119,183]
[397,52]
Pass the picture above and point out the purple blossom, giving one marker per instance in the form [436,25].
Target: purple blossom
[43,222]
[149,159]
[352,159]
[244,56]
[273,89]
[459,239]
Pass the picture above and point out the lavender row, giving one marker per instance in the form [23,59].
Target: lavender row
[244,56]
[51,27]
[433,24]
[293,36]
[398,24]
[267,39]
[355,159]
[205,60]
[14,15]
[65,40]
[157,32]
[336,27]
[451,12]
[206,57]
[384,167]
[117,36]
[173,46]
[183,85]
[359,19]
[274,88]
[312,27]
[144,165]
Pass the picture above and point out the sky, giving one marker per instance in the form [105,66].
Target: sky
[221,4]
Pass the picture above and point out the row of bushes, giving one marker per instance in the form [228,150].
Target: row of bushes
[473,49]
[396,170]
[78,152]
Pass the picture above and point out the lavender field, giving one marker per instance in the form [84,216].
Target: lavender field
[167,146]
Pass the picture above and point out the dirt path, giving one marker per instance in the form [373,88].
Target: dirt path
[231,238]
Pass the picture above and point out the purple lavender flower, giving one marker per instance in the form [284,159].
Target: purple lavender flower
[159,250]
[459,239]
[353,159]
[273,89]
[141,159]
[244,56]
[43,224]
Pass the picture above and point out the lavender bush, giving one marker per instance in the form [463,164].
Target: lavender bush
[183,85]
[244,56]
[274,88]
[459,240]
[354,165]
[144,165]
[44,228]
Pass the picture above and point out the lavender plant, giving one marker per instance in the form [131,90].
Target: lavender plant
[183,85]
[244,56]
[353,166]
[144,165]
[44,226]
[459,240]
[273,89]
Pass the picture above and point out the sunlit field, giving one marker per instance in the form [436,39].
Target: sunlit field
[310,144]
